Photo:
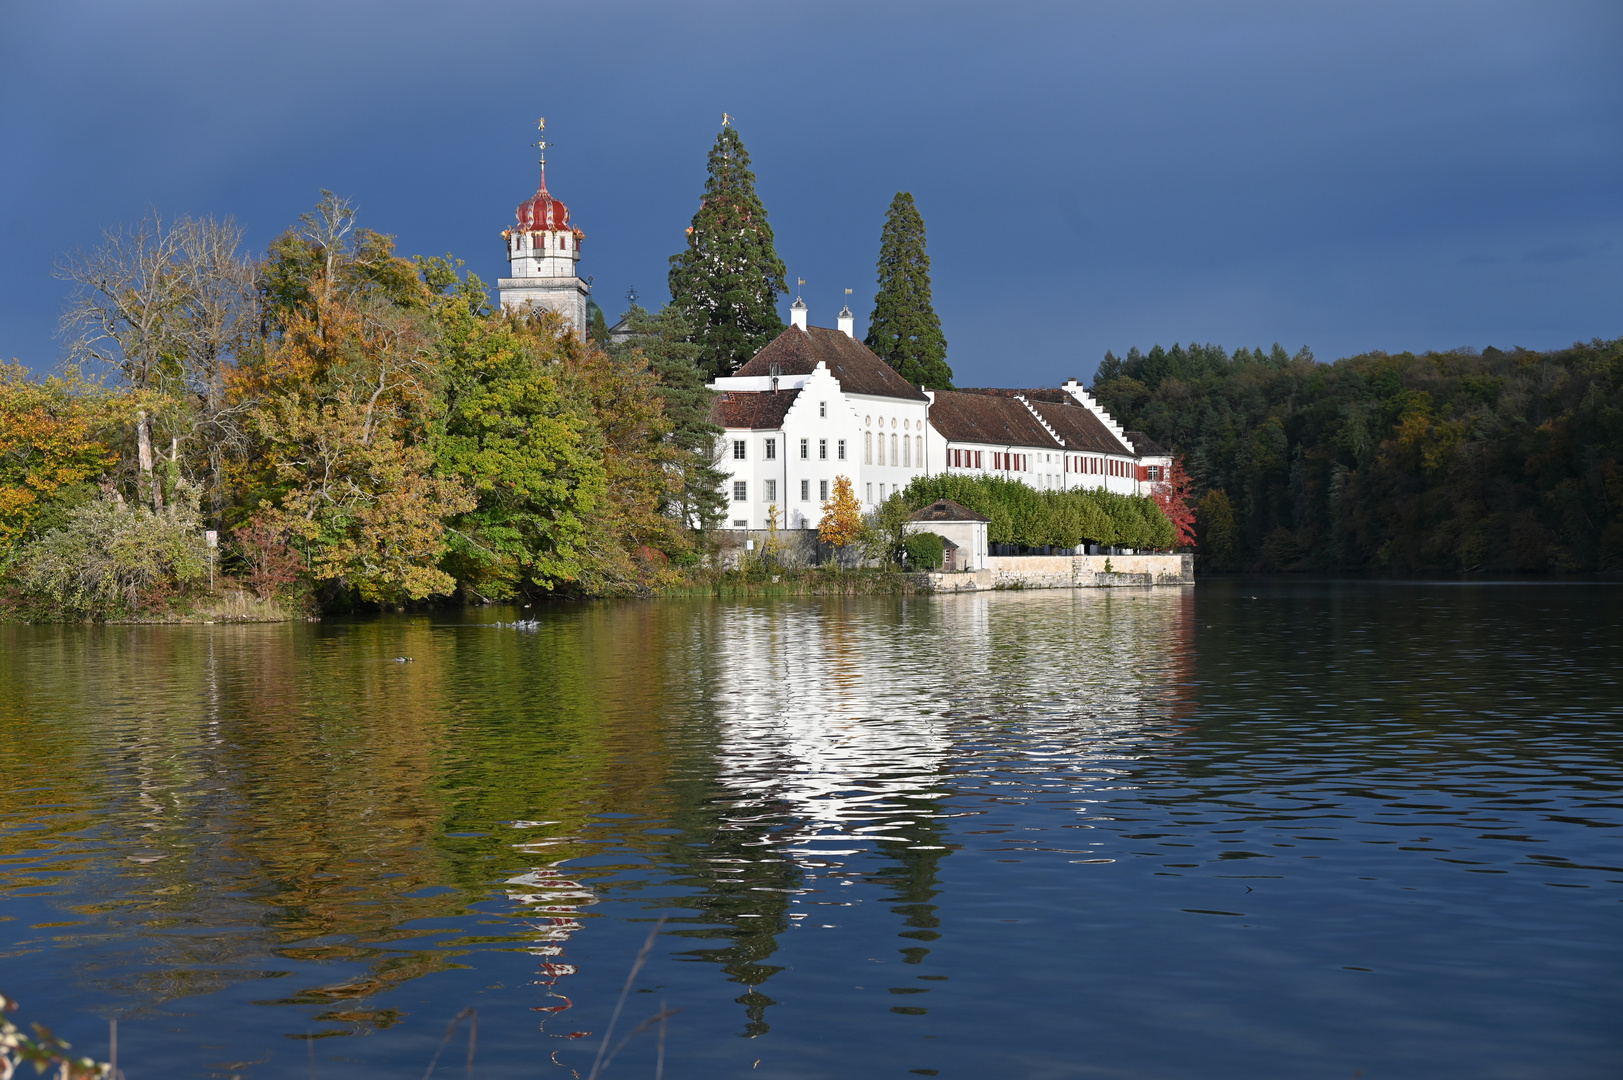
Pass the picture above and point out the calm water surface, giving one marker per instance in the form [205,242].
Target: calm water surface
[1253,829]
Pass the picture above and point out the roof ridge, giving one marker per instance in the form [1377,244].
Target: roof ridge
[1021,398]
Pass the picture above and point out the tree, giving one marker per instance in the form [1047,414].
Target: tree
[49,451]
[597,325]
[1176,500]
[696,500]
[904,330]
[842,516]
[1218,535]
[124,315]
[727,280]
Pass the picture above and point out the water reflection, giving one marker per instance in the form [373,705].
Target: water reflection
[831,799]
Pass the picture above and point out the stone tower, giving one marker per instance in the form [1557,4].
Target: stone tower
[542,252]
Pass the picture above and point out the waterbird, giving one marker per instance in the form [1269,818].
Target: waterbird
[402,659]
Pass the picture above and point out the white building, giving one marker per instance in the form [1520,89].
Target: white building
[816,403]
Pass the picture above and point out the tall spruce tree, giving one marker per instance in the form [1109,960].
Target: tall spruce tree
[727,281]
[904,329]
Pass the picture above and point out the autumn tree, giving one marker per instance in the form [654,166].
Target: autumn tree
[841,524]
[1174,496]
[727,281]
[50,452]
[904,330]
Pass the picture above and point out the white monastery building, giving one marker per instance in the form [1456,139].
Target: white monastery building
[816,403]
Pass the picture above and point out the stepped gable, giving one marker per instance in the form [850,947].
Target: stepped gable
[797,351]
[993,418]
[755,409]
[946,510]
[1078,425]
[1146,446]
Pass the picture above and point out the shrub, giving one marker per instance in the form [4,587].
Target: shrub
[925,549]
[268,556]
[111,559]
[1021,514]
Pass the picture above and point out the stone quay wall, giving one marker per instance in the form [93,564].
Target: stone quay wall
[1067,572]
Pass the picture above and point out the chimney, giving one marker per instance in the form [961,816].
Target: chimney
[848,322]
[797,313]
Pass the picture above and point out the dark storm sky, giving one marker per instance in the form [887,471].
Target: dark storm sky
[1349,176]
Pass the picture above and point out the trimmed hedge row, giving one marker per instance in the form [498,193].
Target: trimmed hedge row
[1023,515]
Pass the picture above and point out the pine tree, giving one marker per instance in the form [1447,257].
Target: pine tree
[726,283]
[904,329]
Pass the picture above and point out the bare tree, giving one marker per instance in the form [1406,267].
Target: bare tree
[123,314]
[169,307]
[218,322]
[328,227]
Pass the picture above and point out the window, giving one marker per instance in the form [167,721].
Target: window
[741,491]
[804,453]
[772,449]
[978,464]
[769,491]
[907,451]
[918,442]
[870,493]
[867,448]
[738,449]
[822,408]
[881,492]
[822,449]
[1153,472]
[740,523]
[839,451]
[893,445]
[805,490]
[822,490]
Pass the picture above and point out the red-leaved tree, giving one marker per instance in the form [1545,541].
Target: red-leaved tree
[1177,502]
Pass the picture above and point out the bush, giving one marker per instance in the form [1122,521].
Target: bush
[924,550]
[111,559]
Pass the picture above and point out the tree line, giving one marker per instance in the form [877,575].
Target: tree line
[1491,461]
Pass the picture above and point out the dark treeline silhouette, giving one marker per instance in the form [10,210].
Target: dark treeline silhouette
[1491,461]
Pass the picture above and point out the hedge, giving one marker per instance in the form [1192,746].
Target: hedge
[1023,515]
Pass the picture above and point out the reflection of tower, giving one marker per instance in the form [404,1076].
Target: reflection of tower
[543,249]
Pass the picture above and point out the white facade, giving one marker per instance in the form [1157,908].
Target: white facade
[789,436]
[880,444]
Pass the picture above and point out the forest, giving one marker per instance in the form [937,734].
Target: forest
[1490,461]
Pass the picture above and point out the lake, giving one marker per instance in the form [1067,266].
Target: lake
[1265,828]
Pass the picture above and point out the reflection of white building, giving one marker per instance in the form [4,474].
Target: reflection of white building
[816,404]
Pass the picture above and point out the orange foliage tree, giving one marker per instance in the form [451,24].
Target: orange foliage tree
[841,524]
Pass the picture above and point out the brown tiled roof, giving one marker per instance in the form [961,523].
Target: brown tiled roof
[755,409]
[966,416]
[1079,426]
[946,510]
[1146,446]
[796,352]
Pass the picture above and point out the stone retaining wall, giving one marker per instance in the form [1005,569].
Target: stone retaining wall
[1067,572]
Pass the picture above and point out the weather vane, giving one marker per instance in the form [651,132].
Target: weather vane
[631,295]
[541,144]
[726,120]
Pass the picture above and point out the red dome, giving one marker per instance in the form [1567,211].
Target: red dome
[542,211]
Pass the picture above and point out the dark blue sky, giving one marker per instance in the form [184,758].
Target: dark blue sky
[1353,176]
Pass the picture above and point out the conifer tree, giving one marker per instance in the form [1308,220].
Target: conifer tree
[904,329]
[727,281]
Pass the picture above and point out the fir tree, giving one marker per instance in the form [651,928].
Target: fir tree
[597,327]
[726,283]
[695,498]
[904,329]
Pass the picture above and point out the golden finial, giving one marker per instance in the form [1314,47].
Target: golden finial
[726,120]
[541,144]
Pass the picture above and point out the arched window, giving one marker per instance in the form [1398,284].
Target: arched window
[918,442]
[893,444]
[867,448]
[907,452]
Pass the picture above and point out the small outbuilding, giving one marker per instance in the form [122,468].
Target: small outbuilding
[962,528]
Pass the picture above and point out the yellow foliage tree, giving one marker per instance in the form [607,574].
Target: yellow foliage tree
[47,444]
[842,516]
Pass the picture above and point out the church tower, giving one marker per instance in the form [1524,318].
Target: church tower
[543,249]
